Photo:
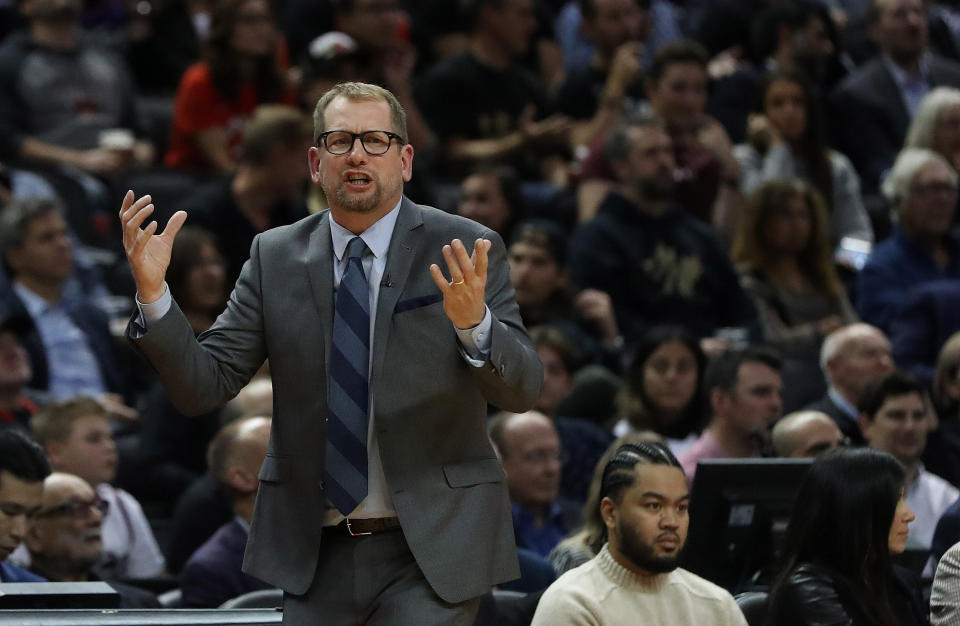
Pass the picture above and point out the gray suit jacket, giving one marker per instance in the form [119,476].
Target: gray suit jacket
[945,594]
[448,487]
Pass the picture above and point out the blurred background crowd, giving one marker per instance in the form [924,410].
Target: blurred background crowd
[725,220]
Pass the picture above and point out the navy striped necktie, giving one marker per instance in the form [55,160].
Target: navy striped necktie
[348,396]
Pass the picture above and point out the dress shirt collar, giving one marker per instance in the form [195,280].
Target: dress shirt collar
[242,523]
[902,77]
[843,404]
[377,237]
[35,305]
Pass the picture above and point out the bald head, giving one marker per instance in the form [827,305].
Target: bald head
[531,456]
[854,355]
[64,537]
[806,434]
[239,447]
[59,487]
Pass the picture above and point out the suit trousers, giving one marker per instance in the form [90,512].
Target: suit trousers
[372,580]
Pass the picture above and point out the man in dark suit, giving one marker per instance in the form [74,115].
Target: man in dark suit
[213,574]
[850,357]
[873,106]
[439,350]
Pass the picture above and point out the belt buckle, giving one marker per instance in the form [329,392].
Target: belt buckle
[353,534]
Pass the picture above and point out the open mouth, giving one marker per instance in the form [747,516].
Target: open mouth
[358,180]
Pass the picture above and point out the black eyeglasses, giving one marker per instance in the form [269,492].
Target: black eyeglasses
[374,142]
[76,509]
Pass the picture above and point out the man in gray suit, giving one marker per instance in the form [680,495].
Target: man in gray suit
[430,490]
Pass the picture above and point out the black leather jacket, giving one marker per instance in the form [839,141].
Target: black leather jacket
[814,596]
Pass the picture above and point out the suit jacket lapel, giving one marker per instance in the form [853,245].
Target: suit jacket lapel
[891,95]
[400,255]
[318,259]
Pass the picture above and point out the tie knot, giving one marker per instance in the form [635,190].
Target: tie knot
[356,247]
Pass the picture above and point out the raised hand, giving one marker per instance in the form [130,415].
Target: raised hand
[463,294]
[147,253]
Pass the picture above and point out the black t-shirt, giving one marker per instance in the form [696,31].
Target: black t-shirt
[463,98]
[214,208]
[579,95]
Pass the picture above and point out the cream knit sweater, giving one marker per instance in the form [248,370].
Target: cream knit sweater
[603,592]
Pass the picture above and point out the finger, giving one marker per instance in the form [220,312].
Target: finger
[481,258]
[143,237]
[127,201]
[456,275]
[439,278]
[174,224]
[138,218]
[132,209]
[466,266]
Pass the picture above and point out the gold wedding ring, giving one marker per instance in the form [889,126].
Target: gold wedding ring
[459,282]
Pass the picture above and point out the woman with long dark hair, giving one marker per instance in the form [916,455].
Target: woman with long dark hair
[244,63]
[662,393]
[848,520]
[783,257]
[785,139]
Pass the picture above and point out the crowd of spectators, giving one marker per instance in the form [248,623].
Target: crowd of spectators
[732,230]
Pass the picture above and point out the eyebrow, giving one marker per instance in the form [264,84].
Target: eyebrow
[660,496]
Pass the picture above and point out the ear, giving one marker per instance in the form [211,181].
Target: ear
[649,88]
[55,453]
[12,256]
[406,163]
[313,162]
[719,400]
[866,426]
[241,480]
[608,511]
[32,538]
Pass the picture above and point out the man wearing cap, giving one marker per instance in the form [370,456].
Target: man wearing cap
[379,483]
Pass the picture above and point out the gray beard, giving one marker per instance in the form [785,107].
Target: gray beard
[356,204]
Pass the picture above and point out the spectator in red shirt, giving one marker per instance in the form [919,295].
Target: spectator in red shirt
[243,69]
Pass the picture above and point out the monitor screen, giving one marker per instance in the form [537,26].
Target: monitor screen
[739,509]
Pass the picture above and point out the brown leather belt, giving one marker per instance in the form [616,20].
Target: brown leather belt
[361,527]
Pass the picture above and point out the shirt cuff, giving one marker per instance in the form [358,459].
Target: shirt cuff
[475,342]
[151,312]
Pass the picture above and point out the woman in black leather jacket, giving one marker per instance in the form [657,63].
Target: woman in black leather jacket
[848,519]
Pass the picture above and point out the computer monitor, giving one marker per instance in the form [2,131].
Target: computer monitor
[739,509]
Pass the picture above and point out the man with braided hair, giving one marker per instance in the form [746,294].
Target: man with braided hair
[634,577]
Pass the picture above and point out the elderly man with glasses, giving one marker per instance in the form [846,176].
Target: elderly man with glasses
[923,187]
[64,537]
[380,499]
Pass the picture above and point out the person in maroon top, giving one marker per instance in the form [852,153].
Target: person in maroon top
[15,371]
[706,171]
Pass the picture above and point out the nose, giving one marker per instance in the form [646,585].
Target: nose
[909,517]
[357,154]
[669,518]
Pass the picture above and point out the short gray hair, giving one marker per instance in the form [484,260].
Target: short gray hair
[360,92]
[619,144]
[896,187]
[16,217]
[920,134]
[837,341]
